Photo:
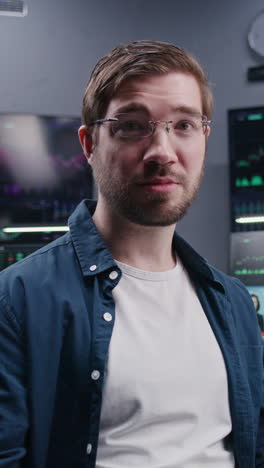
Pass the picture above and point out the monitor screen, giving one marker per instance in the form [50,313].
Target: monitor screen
[246,154]
[247,257]
[43,172]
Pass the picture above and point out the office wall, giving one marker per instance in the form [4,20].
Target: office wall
[46,59]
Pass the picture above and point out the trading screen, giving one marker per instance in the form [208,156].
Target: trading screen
[246,149]
[43,172]
[247,257]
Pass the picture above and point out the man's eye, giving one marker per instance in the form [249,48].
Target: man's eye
[130,128]
[185,125]
[131,125]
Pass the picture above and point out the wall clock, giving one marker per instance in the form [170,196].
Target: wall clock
[256,34]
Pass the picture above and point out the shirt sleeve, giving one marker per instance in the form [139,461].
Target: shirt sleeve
[260,433]
[13,395]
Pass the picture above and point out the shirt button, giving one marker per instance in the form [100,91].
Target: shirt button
[89,449]
[93,267]
[108,317]
[95,374]
[113,275]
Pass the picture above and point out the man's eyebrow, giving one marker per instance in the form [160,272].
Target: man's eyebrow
[187,110]
[131,107]
[137,107]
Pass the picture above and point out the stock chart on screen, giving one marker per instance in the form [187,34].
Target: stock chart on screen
[43,172]
[246,150]
[43,176]
[247,257]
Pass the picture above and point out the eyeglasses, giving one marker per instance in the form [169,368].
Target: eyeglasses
[134,125]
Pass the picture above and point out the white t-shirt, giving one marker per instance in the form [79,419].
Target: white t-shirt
[165,401]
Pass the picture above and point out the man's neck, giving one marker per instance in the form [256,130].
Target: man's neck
[148,248]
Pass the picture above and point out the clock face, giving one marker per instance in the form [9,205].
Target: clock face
[256,34]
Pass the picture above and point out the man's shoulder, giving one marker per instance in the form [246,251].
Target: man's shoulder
[37,264]
[239,308]
[35,286]
[234,288]
[198,266]
[228,281]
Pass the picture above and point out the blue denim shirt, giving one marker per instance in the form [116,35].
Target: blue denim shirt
[54,341]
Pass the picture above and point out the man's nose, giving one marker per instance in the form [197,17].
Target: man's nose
[161,147]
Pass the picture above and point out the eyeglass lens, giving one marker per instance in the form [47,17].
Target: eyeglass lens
[136,125]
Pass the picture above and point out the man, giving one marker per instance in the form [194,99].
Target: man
[120,346]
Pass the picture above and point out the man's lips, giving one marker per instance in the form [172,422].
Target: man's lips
[159,181]
[160,184]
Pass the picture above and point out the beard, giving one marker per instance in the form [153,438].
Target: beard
[148,209]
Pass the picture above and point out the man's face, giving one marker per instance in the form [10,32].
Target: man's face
[151,181]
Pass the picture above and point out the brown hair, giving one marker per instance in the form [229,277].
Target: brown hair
[137,59]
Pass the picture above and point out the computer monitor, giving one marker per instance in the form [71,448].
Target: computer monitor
[247,257]
[43,172]
[246,156]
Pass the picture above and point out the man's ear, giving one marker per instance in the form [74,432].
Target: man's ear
[86,140]
[207,131]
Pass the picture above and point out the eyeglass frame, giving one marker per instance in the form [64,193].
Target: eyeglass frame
[153,125]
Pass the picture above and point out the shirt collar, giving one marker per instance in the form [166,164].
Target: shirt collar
[192,261]
[95,257]
[93,254]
